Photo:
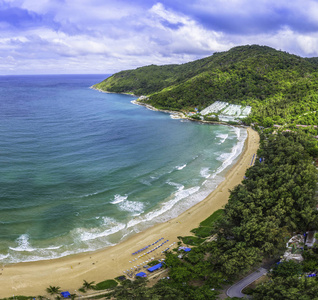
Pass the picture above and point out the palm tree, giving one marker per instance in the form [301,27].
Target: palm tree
[53,290]
[88,285]
[82,290]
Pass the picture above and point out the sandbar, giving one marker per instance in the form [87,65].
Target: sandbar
[32,278]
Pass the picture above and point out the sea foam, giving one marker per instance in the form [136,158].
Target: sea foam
[181,167]
[131,206]
[205,172]
[23,244]
[228,158]
[222,138]
[119,199]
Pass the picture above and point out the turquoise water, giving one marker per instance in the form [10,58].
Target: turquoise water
[82,170]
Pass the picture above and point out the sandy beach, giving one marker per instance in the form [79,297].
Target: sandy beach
[32,279]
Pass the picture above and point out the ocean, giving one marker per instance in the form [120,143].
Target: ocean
[82,170]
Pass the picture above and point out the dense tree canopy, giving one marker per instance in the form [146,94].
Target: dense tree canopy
[291,288]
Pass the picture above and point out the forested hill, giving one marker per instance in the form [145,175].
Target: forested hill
[279,86]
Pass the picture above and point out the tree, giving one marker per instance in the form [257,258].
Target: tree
[291,288]
[238,259]
[164,290]
[287,269]
[131,289]
[88,285]
[53,290]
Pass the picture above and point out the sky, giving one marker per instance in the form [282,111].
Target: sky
[106,36]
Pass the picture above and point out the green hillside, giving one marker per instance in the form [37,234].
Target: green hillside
[279,86]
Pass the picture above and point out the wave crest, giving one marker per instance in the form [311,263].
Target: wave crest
[118,199]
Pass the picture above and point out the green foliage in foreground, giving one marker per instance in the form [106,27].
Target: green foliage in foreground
[276,199]
[107,284]
[279,86]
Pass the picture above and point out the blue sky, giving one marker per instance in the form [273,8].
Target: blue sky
[106,36]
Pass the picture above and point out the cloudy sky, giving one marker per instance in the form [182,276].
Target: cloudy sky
[105,36]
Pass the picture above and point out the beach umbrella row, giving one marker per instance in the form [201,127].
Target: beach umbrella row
[168,247]
[154,249]
[159,245]
[150,251]
[146,247]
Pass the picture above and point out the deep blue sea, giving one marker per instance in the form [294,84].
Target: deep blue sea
[82,170]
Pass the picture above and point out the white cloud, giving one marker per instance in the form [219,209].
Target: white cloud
[311,10]
[308,44]
[95,36]
[174,18]
[188,35]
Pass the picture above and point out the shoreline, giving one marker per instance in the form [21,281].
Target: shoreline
[181,115]
[103,91]
[178,114]
[32,278]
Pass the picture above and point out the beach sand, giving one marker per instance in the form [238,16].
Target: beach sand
[32,279]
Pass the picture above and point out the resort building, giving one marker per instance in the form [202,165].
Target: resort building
[226,111]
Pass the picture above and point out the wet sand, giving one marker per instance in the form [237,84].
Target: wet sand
[32,278]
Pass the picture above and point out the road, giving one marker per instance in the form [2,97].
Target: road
[236,289]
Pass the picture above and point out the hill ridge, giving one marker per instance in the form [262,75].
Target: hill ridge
[279,86]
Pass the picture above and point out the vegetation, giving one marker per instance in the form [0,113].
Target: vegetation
[53,290]
[87,286]
[280,87]
[289,281]
[276,199]
[107,284]
[153,263]
[291,288]
[120,278]
[191,240]
[287,269]
[206,227]
[211,118]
